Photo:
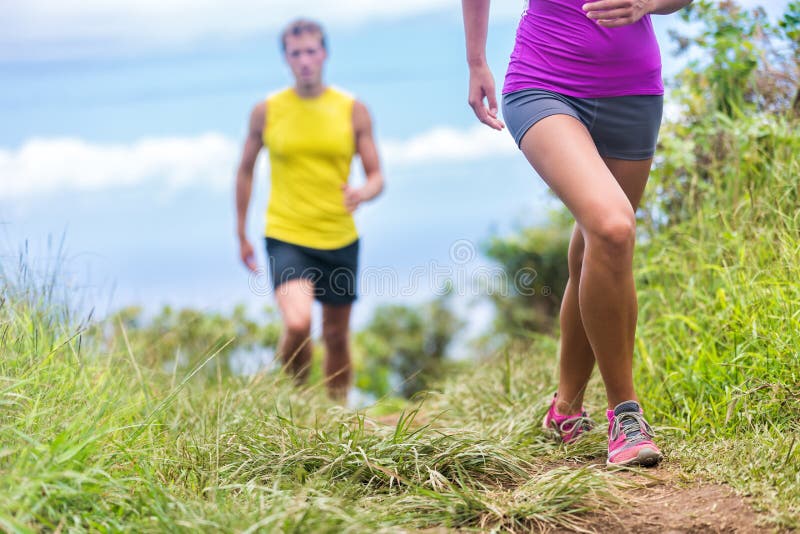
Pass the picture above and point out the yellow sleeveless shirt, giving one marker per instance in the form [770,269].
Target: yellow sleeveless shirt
[311,144]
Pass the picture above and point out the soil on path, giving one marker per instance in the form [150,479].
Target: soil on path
[666,505]
[664,502]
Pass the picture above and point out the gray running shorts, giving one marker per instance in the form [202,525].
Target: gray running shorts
[622,127]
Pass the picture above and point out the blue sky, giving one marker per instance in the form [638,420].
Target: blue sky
[122,122]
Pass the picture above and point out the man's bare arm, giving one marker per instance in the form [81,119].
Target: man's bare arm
[244,181]
[368,152]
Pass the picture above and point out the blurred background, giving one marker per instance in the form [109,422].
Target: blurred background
[121,126]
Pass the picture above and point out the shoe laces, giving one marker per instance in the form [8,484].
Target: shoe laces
[634,427]
[571,424]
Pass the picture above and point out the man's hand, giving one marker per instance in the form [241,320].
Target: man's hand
[352,197]
[247,254]
[481,85]
[615,13]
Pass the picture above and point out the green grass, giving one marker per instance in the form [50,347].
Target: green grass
[719,335]
[97,434]
[94,441]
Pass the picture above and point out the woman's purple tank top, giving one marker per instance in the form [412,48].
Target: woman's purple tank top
[560,49]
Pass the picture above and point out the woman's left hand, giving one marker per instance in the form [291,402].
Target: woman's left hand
[615,13]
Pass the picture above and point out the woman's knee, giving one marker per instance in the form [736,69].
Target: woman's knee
[614,233]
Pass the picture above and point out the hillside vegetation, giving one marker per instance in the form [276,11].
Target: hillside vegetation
[104,427]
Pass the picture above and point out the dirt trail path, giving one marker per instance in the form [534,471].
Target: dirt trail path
[664,502]
[670,506]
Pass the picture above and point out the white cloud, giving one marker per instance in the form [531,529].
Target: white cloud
[48,165]
[47,29]
[58,28]
[42,166]
[444,144]
[53,29]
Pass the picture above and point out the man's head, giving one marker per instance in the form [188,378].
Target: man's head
[303,43]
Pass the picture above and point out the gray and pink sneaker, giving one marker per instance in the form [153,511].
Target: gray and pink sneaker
[565,428]
[630,437]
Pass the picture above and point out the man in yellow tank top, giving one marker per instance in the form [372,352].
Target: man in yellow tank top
[311,131]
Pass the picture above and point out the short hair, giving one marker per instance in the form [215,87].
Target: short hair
[301,26]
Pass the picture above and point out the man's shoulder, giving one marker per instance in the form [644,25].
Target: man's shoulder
[260,106]
[278,94]
[258,113]
[342,93]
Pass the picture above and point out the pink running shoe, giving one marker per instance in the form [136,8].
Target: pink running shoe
[565,428]
[630,437]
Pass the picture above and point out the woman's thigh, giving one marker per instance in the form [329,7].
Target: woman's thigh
[563,153]
[631,175]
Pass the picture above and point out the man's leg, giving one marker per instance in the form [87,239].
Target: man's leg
[561,150]
[576,356]
[336,335]
[295,298]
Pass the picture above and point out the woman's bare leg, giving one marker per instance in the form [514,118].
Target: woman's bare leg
[576,360]
[561,150]
[576,357]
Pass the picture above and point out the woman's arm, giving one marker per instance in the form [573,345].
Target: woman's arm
[476,26]
[481,82]
[614,13]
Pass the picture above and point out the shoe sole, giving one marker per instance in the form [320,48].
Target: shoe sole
[646,457]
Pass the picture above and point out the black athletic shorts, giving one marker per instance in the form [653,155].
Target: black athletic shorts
[333,272]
